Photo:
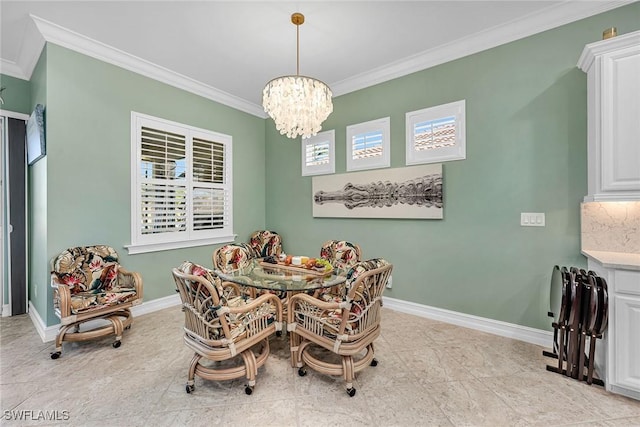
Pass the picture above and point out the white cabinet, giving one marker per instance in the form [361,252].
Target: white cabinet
[618,358]
[627,356]
[613,102]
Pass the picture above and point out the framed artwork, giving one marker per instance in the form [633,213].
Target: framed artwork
[409,192]
[36,147]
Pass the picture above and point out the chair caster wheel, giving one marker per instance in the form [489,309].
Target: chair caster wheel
[189,388]
[116,344]
[351,392]
[374,362]
[55,355]
[248,389]
[278,333]
[126,328]
[302,372]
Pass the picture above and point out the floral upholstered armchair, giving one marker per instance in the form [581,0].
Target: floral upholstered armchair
[345,325]
[89,283]
[221,324]
[341,254]
[232,257]
[266,243]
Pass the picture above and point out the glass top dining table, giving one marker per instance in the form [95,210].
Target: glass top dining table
[262,275]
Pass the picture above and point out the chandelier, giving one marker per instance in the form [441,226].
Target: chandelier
[297,104]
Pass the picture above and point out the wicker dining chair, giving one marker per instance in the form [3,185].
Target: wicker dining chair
[222,325]
[266,243]
[346,327]
[89,284]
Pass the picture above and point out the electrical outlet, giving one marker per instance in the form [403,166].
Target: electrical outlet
[390,282]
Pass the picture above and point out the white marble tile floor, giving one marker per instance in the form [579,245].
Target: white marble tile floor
[429,374]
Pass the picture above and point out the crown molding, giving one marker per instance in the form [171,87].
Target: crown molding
[553,16]
[537,22]
[603,46]
[28,57]
[61,36]
[10,68]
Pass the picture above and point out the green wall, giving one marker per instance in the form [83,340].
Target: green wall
[526,152]
[16,95]
[526,135]
[88,197]
[39,290]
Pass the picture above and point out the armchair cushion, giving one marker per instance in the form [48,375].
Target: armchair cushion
[340,253]
[233,256]
[266,243]
[93,277]
[362,291]
[193,269]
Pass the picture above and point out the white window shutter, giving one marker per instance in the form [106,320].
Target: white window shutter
[182,189]
[369,145]
[436,134]
[318,154]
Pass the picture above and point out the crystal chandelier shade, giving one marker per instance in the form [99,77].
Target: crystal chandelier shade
[297,104]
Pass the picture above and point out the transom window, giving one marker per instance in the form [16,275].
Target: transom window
[368,145]
[318,154]
[182,186]
[436,134]
[433,134]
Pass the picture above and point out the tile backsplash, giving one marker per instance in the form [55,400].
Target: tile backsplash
[611,226]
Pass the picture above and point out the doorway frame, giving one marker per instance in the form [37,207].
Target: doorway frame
[5,209]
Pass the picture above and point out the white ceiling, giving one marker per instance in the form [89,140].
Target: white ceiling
[228,50]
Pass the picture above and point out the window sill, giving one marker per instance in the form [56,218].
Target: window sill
[166,246]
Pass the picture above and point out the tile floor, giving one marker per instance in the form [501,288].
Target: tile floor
[430,374]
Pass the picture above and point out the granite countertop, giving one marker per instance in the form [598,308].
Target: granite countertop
[615,259]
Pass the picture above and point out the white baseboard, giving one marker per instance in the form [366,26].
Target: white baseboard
[496,327]
[6,310]
[48,333]
[156,305]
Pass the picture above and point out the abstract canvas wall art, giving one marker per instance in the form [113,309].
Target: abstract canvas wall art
[409,192]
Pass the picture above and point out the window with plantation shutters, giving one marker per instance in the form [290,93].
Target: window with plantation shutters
[368,145]
[318,156]
[436,134]
[182,189]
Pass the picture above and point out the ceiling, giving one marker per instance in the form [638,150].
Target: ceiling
[228,50]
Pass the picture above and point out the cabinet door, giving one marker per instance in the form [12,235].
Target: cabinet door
[620,125]
[627,342]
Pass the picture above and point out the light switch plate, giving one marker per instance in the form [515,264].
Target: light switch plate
[532,219]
